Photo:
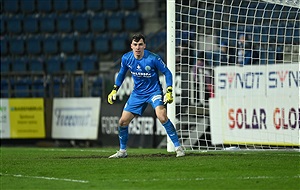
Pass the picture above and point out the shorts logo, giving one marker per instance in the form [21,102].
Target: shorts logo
[156,97]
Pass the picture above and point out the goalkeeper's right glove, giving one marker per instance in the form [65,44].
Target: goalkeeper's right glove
[113,95]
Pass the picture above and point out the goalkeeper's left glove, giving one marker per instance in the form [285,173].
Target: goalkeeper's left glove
[168,99]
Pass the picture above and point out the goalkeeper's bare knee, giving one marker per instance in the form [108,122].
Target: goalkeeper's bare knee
[163,119]
[123,122]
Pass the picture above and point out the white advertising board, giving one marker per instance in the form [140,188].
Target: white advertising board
[256,105]
[255,120]
[261,80]
[75,118]
[4,119]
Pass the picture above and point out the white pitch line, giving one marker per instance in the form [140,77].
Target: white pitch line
[47,178]
[72,150]
[211,178]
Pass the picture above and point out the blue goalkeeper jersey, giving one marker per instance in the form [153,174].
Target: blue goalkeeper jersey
[144,71]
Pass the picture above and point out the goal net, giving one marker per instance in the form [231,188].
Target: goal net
[238,69]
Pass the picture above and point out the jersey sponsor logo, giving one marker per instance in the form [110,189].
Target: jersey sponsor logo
[141,74]
[156,97]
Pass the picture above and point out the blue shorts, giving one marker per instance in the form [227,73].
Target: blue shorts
[137,104]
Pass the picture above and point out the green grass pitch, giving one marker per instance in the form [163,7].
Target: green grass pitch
[89,168]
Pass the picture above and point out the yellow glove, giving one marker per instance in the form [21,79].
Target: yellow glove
[168,99]
[113,95]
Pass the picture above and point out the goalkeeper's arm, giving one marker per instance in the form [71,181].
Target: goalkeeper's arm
[113,95]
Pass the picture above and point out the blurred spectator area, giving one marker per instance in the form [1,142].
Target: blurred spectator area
[52,44]
[67,27]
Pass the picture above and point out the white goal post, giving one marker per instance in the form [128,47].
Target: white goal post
[239,68]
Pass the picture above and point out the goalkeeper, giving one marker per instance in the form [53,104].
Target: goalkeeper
[144,67]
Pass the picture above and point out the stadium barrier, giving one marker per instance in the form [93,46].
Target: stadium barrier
[75,119]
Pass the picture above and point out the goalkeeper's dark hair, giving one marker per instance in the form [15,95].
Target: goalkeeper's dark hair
[137,37]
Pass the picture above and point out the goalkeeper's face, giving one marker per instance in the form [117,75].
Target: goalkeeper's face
[138,48]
